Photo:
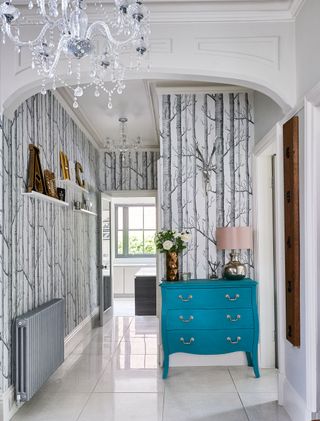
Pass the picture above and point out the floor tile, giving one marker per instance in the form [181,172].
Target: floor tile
[131,361]
[123,407]
[122,380]
[123,307]
[82,376]
[139,346]
[200,379]
[96,347]
[245,380]
[46,406]
[263,406]
[205,406]
[142,326]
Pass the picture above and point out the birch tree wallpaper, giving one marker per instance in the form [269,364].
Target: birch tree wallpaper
[48,251]
[130,171]
[205,164]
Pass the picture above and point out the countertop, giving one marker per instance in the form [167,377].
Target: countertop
[147,271]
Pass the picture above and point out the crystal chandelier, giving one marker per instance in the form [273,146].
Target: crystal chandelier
[112,45]
[123,145]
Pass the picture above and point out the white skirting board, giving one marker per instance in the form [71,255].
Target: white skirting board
[293,403]
[78,334]
[8,405]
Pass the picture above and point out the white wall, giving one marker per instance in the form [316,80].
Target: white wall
[259,55]
[307,47]
[266,114]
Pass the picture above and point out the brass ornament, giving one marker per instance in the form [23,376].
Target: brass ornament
[64,164]
[79,170]
[36,180]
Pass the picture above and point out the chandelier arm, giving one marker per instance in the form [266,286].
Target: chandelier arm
[64,9]
[107,31]
[16,40]
[52,68]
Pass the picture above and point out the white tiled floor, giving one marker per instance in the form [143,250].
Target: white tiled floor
[114,376]
[123,306]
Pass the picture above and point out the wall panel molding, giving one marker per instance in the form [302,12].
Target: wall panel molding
[264,50]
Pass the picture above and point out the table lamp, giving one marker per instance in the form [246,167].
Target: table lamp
[234,239]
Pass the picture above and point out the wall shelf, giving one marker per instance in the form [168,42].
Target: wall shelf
[85,211]
[45,198]
[72,184]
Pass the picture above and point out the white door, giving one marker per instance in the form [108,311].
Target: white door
[104,259]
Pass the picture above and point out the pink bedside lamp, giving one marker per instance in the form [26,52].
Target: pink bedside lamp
[234,239]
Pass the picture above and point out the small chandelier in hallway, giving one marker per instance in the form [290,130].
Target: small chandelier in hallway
[123,145]
[108,47]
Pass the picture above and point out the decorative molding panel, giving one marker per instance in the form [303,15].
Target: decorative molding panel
[161,46]
[22,60]
[259,49]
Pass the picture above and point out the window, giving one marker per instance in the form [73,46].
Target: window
[135,231]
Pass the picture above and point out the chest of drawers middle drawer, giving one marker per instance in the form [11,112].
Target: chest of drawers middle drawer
[210,319]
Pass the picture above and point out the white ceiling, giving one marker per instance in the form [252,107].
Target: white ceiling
[138,102]
[135,103]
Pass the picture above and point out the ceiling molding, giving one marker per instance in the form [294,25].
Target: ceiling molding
[64,97]
[163,90]
[144,148]
[200,11]
[154,106]
[296,7]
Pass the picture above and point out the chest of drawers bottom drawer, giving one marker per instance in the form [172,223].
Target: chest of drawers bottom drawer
[210,341]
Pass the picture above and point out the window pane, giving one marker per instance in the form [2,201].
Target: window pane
[135,217]
[120,243]
[149,246]
[150,217]
[120,218]
[135,242]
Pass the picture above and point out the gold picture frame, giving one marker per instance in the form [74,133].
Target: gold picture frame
[50,183]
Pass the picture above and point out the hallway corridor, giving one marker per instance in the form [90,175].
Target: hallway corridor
[114,376]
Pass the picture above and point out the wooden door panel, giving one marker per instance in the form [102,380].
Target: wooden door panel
[292,229]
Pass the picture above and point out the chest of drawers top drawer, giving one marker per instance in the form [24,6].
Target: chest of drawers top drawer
[208,298]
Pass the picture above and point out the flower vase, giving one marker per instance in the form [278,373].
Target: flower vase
[172,264]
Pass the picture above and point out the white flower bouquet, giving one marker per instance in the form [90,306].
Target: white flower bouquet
[172,241]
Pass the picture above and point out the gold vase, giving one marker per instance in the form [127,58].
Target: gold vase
[172,263]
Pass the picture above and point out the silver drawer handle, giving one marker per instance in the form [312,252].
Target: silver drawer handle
[232,299]
[187,343]
[186,320]
[234,342]
[229,317]
[185,299]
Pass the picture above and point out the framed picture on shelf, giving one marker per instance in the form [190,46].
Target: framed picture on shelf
[50,183]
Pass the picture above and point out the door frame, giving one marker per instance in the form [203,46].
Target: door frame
[273,141]
[104,315]
[264,244]
[312,246]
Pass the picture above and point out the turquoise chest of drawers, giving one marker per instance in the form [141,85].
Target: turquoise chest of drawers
[210,317]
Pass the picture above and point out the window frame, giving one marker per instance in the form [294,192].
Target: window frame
[125,230]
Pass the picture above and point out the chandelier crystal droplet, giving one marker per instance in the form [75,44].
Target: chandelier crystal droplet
[105,49]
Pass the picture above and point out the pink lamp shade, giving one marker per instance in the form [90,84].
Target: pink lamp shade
[233,238]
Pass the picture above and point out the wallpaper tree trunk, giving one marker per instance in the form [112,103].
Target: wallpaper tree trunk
[47,251]
[130,171]
[205,161]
